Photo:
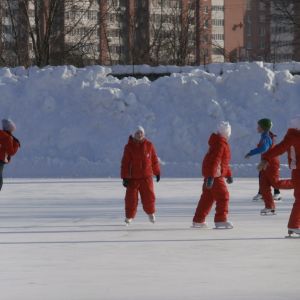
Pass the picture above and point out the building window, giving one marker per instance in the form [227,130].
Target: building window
[262,31]
[218,22]
[206,10]
[249,4]
[262,44]
[218,36]
[249,30]
[262,18]
[218,8]
[249,45]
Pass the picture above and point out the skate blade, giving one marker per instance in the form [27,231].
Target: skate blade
[268,214]
[200,228]
[222,228]
[292,236]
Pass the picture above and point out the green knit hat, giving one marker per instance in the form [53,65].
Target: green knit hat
[265,124]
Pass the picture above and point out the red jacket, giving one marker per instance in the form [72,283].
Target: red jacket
[290,144]
[139,160]
[216,161]
[8,146]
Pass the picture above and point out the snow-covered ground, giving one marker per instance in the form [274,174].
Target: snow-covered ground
[65,240]
[75,122]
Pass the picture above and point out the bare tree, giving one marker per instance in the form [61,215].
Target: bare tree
[52,31]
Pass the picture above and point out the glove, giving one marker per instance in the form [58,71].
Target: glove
[247,156]
[158,178]
[229,180]
[209,182]
[125,182]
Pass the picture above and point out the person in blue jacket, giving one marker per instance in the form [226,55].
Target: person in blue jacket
[266,142]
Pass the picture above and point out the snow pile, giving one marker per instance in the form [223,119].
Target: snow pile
[75,122]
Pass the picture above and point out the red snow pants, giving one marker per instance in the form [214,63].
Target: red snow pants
[294,221]
[219,194]
[146,189]
[270,178]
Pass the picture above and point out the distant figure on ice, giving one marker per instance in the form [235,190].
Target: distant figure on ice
[270,176]
[215,168]
[264,127]
[139,164]
[290,144]
[9,145]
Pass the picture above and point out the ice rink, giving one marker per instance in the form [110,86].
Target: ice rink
[65,240]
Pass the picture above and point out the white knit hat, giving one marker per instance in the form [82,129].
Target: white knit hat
[8,125]
[139,128]
[224,129]
[295,122]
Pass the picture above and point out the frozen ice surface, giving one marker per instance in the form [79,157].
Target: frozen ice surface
[64,239]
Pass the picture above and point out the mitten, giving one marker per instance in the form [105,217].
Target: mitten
[209,182]
[125,182]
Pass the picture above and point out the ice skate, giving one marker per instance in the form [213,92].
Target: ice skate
[277,197]
[293,233]
[128,221]
[202,225]
[257,197]
[224,225]
[151,218]
[268,212]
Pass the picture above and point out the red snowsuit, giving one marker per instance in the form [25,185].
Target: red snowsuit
[216,165]
[270,178]
[139,164]
[290,144]
[8,146]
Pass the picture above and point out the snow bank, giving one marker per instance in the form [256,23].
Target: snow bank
[74,122]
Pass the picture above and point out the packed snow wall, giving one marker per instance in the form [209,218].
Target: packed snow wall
[75,122]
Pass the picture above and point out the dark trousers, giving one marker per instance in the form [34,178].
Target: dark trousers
[1,174]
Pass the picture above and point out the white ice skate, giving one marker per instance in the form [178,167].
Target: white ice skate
[277,197]
[268,212]
[151,218]
[128,221]
[293,233]
[257,197]
[202,225]
[224,225]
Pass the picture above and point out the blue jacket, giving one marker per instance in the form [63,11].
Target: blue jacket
[264,145]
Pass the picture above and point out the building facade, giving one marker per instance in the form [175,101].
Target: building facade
[181,32]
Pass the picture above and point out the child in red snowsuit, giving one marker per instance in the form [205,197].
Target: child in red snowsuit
[215,168]
[270,176]
[9,145]
[290,144]
[139,164]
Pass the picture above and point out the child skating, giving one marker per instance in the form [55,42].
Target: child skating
[290,144]
[139,164]
[215,169]
[9,145]
[269,177]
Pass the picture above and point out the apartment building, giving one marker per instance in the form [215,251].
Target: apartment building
[218,31]
[147,32]
[247,30]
